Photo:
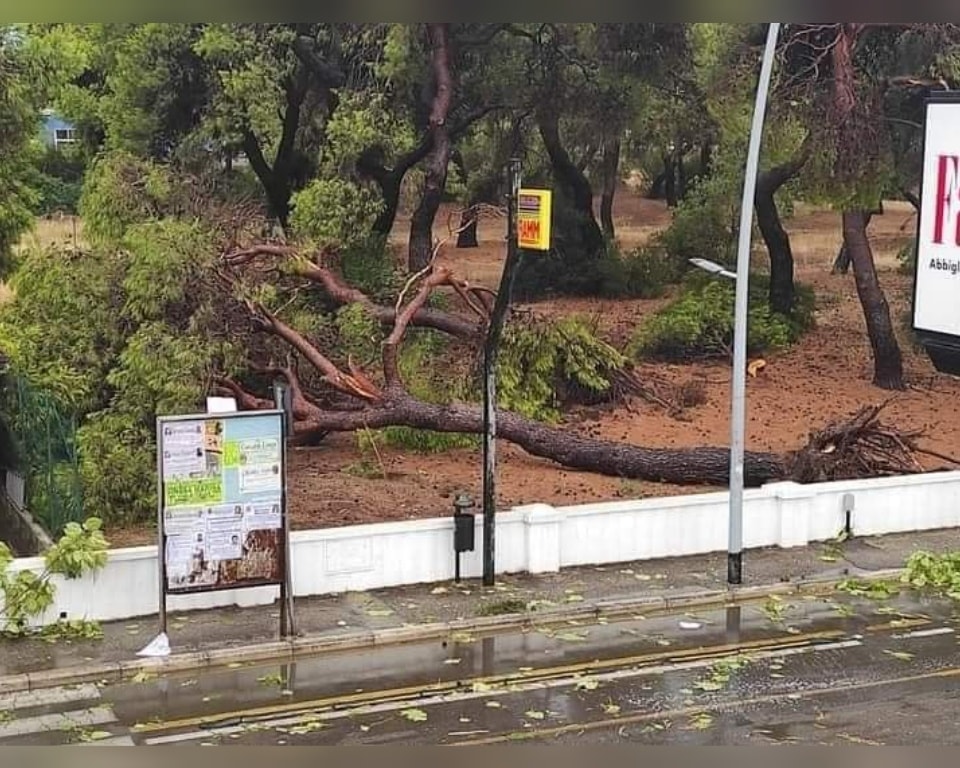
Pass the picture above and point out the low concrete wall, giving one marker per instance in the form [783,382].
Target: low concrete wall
[18,529]
[538,539]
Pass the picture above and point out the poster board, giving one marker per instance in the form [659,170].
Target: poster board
[936,309]
[222,517]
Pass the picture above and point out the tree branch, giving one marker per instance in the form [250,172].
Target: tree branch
[345,383]
[404,317]
[425,317]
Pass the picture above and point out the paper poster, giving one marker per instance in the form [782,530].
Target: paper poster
[263,517]
[260,477]
[224,545]
[192,493]
[183,450]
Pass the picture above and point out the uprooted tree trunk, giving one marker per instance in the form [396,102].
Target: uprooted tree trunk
[847,450]
[377,405]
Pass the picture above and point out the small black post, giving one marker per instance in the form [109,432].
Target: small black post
[490,349]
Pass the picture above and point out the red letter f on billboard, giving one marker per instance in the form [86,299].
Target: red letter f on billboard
[948,171]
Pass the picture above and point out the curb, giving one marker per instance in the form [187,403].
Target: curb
[287,650]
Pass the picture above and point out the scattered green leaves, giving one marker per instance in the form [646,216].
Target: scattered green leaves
[414,715]
[939,574]
[871,590]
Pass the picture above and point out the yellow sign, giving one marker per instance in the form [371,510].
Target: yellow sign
[533,219]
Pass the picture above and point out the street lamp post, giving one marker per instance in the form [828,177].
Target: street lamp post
[739,375]
[738,396]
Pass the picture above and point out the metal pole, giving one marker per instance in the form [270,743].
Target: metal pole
[282,397]
[489,376]
[161,543]
[739,375]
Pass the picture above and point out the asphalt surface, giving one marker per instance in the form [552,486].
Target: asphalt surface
[838,670]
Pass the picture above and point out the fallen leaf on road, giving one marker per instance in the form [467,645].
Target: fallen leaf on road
[701,722]
[143,676]
[414,715]
[708,686]
[611,709]
[901,655]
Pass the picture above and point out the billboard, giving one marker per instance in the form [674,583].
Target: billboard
[936,301]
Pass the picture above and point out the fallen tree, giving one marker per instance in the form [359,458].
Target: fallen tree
[860,447]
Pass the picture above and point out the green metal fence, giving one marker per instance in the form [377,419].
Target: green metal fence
[46,443]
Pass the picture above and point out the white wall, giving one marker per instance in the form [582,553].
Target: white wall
[536,539]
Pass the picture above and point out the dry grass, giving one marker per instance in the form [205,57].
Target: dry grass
[54,231]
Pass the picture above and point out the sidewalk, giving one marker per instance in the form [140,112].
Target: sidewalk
[427,612]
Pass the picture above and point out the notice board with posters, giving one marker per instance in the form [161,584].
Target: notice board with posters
[936,308]
[222,502]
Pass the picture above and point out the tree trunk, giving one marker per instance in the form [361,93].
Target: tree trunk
[670,181]
[782,291]
[574,184]
[681,176]
[467,237]
[611,167]
[421,224]
[841,265]
[776,238]
[888,363]
[706,157]
[695,466]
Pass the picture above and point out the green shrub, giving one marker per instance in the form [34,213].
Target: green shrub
[701,228]
[643,273]
[907,258]
[699,323]
[539,360]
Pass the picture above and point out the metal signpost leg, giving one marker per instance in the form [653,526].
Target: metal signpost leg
[282,398]
[489,376]
[738,407]
[161,554]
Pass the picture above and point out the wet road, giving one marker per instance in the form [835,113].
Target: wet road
[831,671]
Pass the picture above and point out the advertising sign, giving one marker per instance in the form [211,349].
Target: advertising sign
[222,506]
[533,219]
[937,290]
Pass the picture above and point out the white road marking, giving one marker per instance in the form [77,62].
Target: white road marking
[47,697]
[61,721]
[926,633]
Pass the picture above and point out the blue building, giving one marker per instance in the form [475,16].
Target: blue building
[57,132]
